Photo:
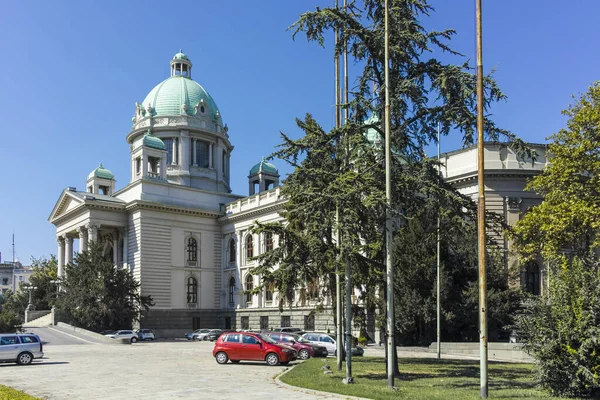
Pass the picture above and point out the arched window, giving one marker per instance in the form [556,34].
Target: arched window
[268,241]
[249,286]
[231,250]
[231,290]
[192,250]
[531,278]
[249,247]
[192,290]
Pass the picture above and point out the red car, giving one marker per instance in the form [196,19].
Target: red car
[237,346]
[304,348]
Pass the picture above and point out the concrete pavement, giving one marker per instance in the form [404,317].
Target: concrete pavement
[147,370]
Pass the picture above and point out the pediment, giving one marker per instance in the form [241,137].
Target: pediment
[66,202]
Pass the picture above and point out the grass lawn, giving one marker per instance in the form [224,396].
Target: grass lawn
[13,394]
[420,379]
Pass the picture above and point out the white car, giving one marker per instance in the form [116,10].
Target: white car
[21,348]
[322,339]
[145,334]
[124,334]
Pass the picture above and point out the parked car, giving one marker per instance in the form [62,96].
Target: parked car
[289,329]
[328,340]
[356,349]
[237,346]
[145,334]
[194,335]
[124,334]
[304,348]
[211,335]
[21,348]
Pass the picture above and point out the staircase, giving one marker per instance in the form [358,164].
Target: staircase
[44,320]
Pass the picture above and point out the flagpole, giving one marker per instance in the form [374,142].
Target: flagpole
[483,346]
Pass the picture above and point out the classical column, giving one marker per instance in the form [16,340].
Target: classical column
[69,249]
[194,161]
[210,155]
[144,165]
[61,255]
[125,238]
[115,245]
[92,232]
[82,238]
[174,152]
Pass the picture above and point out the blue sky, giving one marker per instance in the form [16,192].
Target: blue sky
[71,72]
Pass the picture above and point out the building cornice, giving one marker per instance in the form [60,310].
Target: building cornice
[276,206]
[149,205]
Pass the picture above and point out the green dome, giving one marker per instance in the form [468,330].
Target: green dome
[153,142]
[372,136]
[180,95]
[180,56]
[264,167]
[101,172]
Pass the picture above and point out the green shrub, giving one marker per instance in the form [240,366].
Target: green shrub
[561,330]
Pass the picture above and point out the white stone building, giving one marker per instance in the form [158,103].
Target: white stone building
[184,235]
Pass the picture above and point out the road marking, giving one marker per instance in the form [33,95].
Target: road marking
[73,336]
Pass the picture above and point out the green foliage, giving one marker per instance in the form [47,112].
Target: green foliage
[14,394]
[562,330]
[97,295]
[12,314]
[569,216]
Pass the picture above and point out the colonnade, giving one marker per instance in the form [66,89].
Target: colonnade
[85,234]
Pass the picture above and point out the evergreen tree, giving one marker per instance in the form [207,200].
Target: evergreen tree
[98,295]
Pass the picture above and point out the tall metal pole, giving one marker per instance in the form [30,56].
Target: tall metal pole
[348,312]
[483,346]
[439,303]
[338,285]
[388,217]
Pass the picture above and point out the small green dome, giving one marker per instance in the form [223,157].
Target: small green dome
[264,167]
[180,56]
[101,172]
[372,136]
[152,141]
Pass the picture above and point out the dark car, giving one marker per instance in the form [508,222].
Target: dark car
[237,346]
[304,348]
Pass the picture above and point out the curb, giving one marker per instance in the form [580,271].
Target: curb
[281,384]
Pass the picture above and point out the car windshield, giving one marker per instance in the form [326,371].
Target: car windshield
[300,339]
[267,339]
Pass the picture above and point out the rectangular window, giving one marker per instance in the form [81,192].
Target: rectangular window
[5,281]
[202,154]
[138,165]
[227,322]
[245,321]
[285,321]
[309,322]
[264,323]
[269,294]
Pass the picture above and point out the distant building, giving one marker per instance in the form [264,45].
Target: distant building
[12,275]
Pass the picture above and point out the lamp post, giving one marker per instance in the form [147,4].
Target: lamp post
[30,289]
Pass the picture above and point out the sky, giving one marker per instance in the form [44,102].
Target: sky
[71,72]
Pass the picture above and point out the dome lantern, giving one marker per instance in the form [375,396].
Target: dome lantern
[181,65]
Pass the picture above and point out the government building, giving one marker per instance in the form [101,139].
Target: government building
[186,238]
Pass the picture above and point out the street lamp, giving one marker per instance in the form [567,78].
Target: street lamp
[57,283]
[30,289]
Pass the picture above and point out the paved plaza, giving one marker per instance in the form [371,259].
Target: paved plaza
[148,370]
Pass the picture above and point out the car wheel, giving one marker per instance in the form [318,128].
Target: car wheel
[24,358]
[235,361]
[221,357]
[133,340]
[303,354]
[205,338]
[272,359]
